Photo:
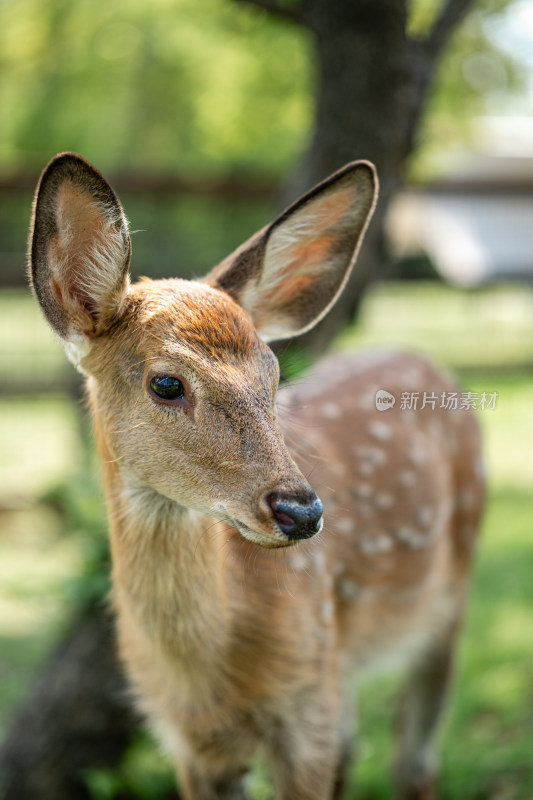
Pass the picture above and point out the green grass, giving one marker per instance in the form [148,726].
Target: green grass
[492,710]
[487,743]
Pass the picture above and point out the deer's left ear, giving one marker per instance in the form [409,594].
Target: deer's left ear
[290,274]
[79,252]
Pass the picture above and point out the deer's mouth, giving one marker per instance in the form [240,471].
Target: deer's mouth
[283,519]
[270,540]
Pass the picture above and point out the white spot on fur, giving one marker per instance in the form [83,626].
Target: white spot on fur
[417,452]
[363,491]
[330,411]
[371,458]
[385,542]
[299,561]
[348,589]
[424,515]
[380,543]
[380,430]
[412,378]
[327,611]
[345,525]
[312,390]
[412,538]
[383,501]
[319,561]
[407,478]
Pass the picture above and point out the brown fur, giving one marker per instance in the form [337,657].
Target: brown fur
[235,649]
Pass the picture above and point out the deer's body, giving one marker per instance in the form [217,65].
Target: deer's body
[232,648]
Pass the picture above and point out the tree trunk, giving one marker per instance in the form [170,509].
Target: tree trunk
[372,83]
[78,716]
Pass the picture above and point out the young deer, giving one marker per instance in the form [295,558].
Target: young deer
[234,648]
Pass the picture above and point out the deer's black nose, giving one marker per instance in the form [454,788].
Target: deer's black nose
[296,519]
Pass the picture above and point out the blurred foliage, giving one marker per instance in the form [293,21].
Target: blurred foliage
[198,88]
[144,773]
[164,84]
[475,77]
[79,504]
[186,236]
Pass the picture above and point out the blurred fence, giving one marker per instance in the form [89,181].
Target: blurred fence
[179,228]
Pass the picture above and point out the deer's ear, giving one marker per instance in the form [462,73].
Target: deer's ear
[79,251]
[290,274]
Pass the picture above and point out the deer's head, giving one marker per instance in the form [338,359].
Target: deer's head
[182,382]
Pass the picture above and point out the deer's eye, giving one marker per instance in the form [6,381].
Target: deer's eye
[167,388]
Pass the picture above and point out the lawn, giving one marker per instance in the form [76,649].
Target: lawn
[487,337]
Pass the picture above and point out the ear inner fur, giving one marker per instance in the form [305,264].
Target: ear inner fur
[79,248]
[291,273]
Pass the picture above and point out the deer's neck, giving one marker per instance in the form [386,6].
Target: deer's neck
[168,570]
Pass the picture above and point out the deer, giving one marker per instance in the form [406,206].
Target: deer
[247,608]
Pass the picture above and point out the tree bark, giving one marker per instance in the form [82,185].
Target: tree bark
[78,716]
[372,85]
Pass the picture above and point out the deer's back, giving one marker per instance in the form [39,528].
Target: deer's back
[402,490]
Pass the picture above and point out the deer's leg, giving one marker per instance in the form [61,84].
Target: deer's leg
[196,783]
[300,777]
[212,754]
[420,713]
[347,745]
[305,751]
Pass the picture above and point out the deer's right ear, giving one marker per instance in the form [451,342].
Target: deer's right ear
[291,273]
[79,251]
